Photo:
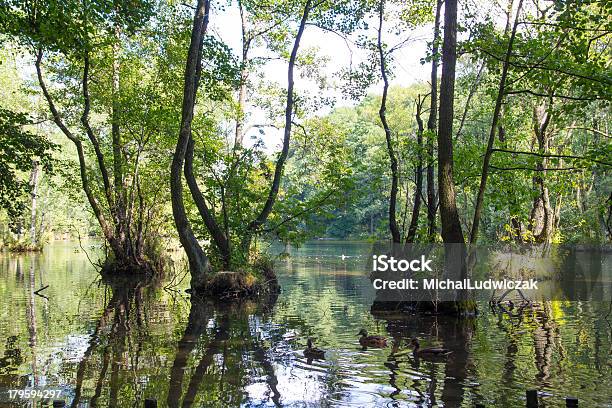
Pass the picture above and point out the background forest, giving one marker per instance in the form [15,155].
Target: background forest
[510,143]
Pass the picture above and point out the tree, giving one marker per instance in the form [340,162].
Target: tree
[393,227]
[451,227]
[242,186]
[432,205]
[554,71]
[199,263]
[92,39]
[494,125]
[21,152]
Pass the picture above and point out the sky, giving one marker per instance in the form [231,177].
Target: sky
[407,68]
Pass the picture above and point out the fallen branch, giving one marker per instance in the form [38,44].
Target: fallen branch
[37,292]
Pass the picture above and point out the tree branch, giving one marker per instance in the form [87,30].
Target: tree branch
[534,93]
[93,202]
[559,156]
[92,137]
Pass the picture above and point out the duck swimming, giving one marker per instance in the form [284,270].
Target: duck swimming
[429,351]
[371,341]
[313,352]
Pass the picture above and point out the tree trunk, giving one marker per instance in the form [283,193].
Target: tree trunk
[371,224]
[542,214]
[395,233]
[414,220]
[254,225]
[121,225]
[451,227]
[246,42]
[198,262]
[239,136]
[494,124]
[432,205]
[34,182]
[607,222]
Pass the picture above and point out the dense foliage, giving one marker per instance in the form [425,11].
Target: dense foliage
[527,158]
[20,151]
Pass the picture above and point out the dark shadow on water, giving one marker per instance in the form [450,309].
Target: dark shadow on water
[449,332]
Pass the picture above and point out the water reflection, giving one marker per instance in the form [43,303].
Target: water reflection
[111,340]
[199,316]
[115,343]
[434,378]
[222,336]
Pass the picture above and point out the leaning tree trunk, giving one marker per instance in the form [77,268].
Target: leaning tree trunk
[199,264]
[266,210]
[494,124]
[395,232]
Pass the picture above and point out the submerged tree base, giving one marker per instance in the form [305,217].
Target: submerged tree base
[110,267]
[240,285]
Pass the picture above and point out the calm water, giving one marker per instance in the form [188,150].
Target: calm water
[115,345]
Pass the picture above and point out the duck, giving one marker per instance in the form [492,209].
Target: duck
[429,351]
[371,341]
[313,352]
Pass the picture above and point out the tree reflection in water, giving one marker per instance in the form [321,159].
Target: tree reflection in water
[453,334]
[111,335]
[208,362]
[199,316]
[123,341]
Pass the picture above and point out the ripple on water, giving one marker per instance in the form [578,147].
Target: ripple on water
[560,349]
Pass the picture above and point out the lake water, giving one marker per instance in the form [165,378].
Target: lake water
[115,345]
